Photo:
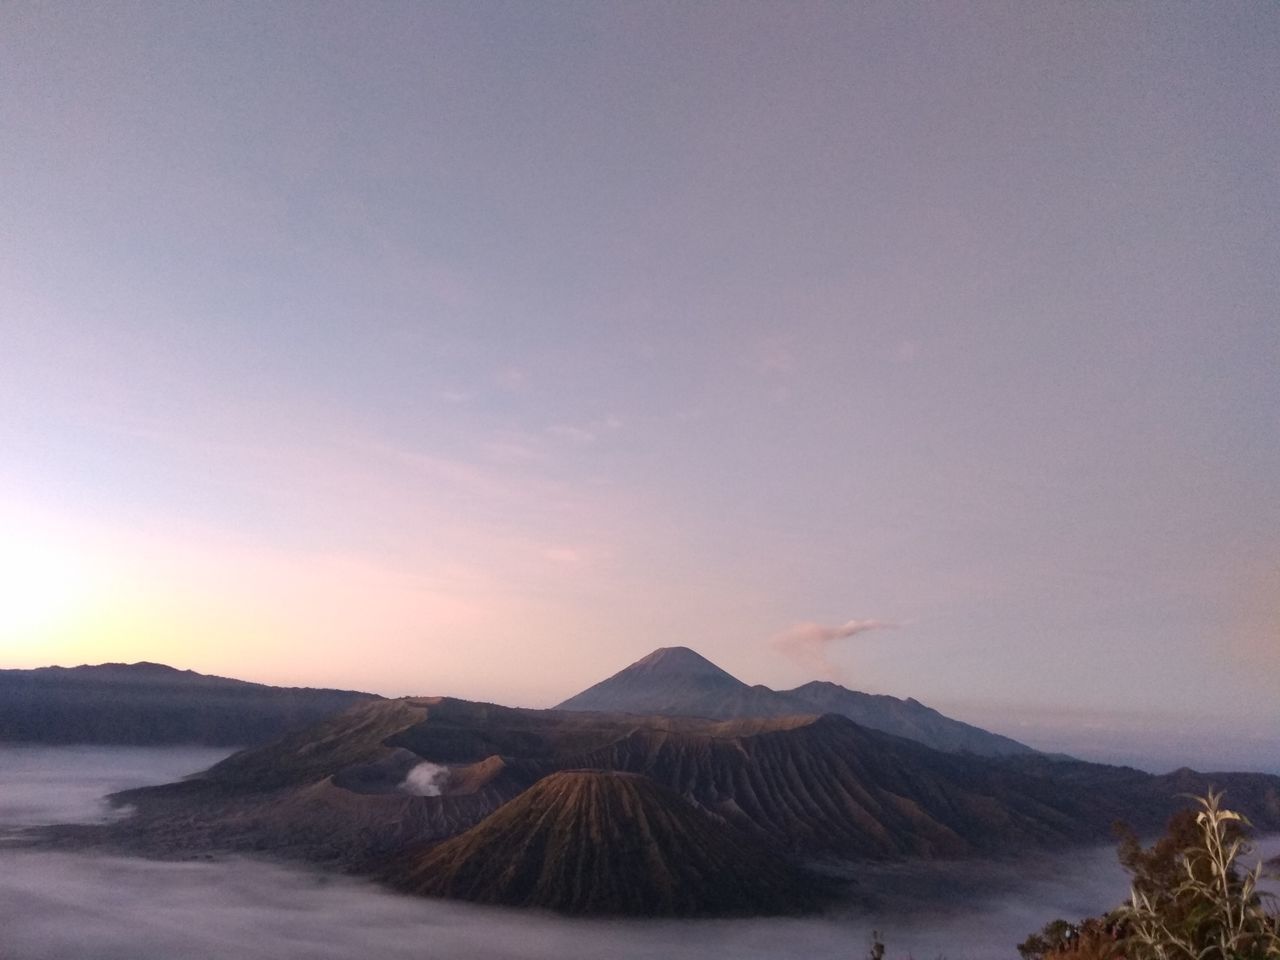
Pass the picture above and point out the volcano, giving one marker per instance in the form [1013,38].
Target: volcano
[603,842]
[677,681]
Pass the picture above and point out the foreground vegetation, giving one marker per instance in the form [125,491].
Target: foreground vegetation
[1190,899]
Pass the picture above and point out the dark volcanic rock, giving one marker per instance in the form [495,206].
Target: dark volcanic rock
[804,788]
[814,786]
[602,842]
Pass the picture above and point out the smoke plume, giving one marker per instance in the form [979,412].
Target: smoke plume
[809,643]
[425,780]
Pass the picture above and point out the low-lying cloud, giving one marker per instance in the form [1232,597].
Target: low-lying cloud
[809,643]
[42,785]
[58,905]
[55,905]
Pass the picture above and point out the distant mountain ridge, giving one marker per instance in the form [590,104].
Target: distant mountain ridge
[149,704]
[677,681]
[617,813]
[154,704]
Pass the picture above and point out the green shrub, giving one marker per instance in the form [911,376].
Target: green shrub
[1197,904]
[1189,899]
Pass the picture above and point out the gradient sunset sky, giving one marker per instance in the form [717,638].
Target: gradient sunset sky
[480,348]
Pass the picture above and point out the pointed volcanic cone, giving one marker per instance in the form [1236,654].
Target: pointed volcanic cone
[600,842]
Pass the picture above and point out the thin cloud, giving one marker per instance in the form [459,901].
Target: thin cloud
[568,431]
[773,357]
[809,643]
[588,432]
[510,379]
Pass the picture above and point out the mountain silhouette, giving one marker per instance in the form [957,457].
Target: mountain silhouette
[677,681]
[149,704]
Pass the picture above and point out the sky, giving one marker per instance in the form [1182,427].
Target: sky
[480,348]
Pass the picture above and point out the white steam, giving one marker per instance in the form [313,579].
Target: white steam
[425,780]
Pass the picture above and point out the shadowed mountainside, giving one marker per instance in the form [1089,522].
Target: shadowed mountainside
[677,681]
[504,817]
[591,841]
[149,704]
[905,718]
[807,787]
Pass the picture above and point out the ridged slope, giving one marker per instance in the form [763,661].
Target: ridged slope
[811,787]
[827,786]
[599,842]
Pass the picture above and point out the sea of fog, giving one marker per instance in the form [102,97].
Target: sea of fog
[91,906]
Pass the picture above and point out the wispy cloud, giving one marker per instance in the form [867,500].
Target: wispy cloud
[588,432]
[775,362]
[511,379]
[453,396]
[773,357]
[567,431]
[512,450]
[809,643]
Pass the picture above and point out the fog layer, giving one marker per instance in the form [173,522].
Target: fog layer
[40,785]
[55,905]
